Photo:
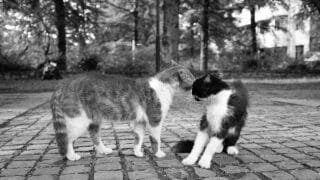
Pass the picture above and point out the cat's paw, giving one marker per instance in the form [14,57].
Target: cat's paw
[160,154]
[204,163]
[103,150]
[138,152]
[189,161]
[73,156]
[233,150]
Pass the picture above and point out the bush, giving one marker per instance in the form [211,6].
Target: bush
[11,63]
[316,67]
[119,61]
[250,65]
[90,63]
[297,68]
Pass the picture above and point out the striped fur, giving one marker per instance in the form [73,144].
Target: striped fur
[82,104]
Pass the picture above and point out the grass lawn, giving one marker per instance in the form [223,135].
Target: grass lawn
[27,86]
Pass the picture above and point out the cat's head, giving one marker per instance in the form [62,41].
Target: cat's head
[208,85]
[177,76]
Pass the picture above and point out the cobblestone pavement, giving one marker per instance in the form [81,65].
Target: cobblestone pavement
[280,141]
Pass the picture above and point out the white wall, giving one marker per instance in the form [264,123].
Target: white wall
[279,38]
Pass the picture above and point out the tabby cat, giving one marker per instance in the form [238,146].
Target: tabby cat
[221,125]
[82,104]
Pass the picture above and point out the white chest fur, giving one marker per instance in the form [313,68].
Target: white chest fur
[164,92]
[218,109]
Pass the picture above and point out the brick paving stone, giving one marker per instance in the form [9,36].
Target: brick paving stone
[308,149]
[107,166]
[44,177]
[27,157]
[50,162]
[176,173]
[107,160]
[273,157]
[234,169]
[21,164]
[311,162]
[75,176]
[279,175]
[44,171]
[294,144]
[108,175]
[216,178]
[262,151]
[288,165]
[76,169]
[250,158]
[149,174]
[137,165]
[223,159]
[169,163]
[305,174]
[262,167]
[286,151]
[316,155]
[251,145]
[274,145]
[15,172]
[299,156]
[249,176]
[204,172]
[12,178]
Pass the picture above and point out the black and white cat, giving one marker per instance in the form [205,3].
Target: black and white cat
[221,125]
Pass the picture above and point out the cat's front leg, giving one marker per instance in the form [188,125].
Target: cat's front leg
[199,143]
[139,129]
[212,147]
[155,140]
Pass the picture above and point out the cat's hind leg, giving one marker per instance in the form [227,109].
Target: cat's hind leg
[94,131]
[139,129]
[230,144]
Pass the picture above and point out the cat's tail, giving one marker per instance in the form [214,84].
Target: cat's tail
[59,124]
[184,146]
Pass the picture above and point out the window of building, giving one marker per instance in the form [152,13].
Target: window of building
[299,25]
[299,52]
[281,22]
[264,26]
[314,43]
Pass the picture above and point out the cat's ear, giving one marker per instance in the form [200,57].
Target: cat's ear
[207,79]
[216,74]
[173,63]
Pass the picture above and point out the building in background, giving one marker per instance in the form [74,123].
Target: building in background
[284,30]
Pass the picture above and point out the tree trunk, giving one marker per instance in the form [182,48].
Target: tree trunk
[136,35]
[82,46]
[204,34]
[316,3]
[158,57]
[253,26]
[60,25]
[192,44]
[170,37]
[136,22]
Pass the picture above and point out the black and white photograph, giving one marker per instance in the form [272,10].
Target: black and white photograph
[159,89]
